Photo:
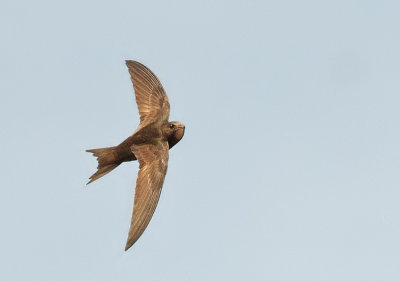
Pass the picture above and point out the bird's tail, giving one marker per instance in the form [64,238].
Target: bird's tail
[107,159]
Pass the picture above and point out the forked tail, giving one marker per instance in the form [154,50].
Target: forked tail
[107,159]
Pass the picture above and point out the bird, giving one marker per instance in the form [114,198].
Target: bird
[149,144]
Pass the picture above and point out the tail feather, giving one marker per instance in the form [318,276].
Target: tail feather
[107,159]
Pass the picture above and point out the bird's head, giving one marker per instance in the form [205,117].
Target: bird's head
[174,132]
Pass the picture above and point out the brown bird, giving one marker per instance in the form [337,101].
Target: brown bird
[149,144]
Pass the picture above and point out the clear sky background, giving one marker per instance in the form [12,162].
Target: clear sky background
[289,168]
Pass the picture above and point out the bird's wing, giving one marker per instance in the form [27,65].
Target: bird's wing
[151,98]
[153,160]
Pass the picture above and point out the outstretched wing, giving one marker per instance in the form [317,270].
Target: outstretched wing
[153,160]
[151,98]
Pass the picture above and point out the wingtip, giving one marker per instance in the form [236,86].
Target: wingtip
[130,62]
[129,243]
[133,64]
[127,247]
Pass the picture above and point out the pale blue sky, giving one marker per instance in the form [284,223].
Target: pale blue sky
[289,169]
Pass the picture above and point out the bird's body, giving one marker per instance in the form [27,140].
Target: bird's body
[149,144]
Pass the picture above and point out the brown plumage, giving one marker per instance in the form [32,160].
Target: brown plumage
[149,144]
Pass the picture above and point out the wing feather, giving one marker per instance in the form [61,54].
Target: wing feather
[151,99]
[153,160]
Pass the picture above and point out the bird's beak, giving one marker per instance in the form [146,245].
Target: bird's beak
[179,133]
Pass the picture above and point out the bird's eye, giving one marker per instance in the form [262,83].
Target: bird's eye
[171,126]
